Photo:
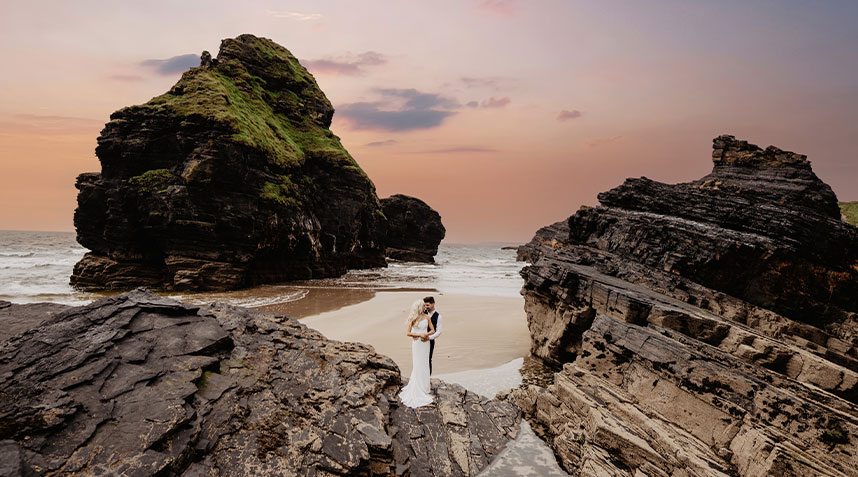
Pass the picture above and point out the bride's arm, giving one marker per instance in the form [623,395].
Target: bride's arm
[409,333]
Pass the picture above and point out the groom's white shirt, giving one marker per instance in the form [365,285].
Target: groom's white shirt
[438,328]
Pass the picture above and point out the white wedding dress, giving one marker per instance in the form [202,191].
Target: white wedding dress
[418,392]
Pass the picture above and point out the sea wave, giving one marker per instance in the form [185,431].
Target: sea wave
[16,254]
[36,266]
[252,298]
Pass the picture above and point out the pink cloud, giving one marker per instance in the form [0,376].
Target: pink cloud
[566,115]
[457,149]
[346,64]
[501,7]
[496,102]
[303,17]
[125,78]
[49,124]
[388,142]
[600,141]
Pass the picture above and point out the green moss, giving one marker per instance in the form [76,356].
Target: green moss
[850,211]
[283,192]
[155,180]
[203,381]
[231,102]
[231,95]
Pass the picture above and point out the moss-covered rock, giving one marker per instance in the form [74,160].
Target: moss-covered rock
[155,180]
[849,210]
[231,178]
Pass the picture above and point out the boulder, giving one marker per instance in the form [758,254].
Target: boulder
[231,178]
[703,328]
[137,384]
[414,229]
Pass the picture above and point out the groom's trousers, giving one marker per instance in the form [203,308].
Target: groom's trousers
[431,350]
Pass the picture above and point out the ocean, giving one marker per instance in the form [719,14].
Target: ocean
[36,266]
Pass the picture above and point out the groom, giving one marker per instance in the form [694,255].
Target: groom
[436,322]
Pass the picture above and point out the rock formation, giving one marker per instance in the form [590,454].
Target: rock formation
[414,229]
[550,236]
[704,328]
[232,178]
[137,384]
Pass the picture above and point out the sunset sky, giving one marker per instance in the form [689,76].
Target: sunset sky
[503,115]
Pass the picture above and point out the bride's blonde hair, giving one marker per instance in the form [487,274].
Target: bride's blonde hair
[415,314]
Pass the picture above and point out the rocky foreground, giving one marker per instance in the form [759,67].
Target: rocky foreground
[704,328]
[137,384]
[230,179]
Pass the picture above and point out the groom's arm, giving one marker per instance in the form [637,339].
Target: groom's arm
[438,329]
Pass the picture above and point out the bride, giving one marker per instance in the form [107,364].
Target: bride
[417,392]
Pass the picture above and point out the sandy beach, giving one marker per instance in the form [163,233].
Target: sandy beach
[479,331]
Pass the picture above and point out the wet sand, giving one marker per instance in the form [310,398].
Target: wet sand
[479,331]
[316,301]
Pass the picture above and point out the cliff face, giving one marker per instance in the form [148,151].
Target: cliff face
[137,384]
[761,227]
[414,229]
[231,178]
[707,327]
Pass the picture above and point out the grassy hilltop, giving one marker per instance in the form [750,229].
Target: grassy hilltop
[850,211]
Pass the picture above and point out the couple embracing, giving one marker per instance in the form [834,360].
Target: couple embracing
[423,326]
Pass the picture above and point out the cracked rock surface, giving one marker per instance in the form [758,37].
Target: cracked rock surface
[137,384]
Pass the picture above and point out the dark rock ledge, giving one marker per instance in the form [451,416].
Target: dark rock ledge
[137,384]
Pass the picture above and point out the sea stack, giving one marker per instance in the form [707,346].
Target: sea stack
[414,229]
[232,178]
[702,328]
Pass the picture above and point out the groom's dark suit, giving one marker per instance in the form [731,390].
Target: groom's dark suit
[434,319]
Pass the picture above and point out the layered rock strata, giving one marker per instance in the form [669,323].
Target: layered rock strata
[550,237]
[687,328]
[414,229]
[761,227]
[230,179]
[137,384]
